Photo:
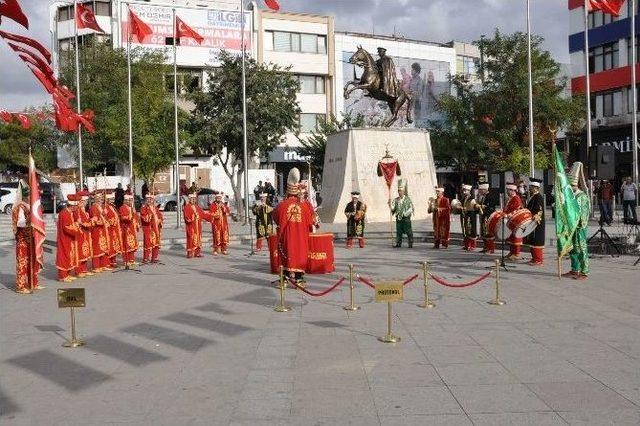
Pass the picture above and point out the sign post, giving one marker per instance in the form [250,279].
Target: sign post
[72,298]
[390,291]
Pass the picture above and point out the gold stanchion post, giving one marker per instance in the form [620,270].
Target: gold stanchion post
[351,306]
[74,342]
[427,303]
[497,301]
[389,338]
[282,307]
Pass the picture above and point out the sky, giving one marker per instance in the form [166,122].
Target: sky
[432,20]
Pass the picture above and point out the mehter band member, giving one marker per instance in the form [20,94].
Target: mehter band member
[67,243]
[85,248]
[402,208]
[514,203]
[21,219]
[220,212]
[193,216]
[150,229]
[264,220]
[99,234]
[129,227]
[116,242]
[294,219]
[488,202]
[469,219]
[440,209]
[579,254]
[355,212]
[535,240]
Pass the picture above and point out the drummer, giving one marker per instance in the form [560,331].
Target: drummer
[535,240]
[468,219]
[514,204]
[488,202]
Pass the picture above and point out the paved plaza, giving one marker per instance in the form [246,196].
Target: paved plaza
[196,342]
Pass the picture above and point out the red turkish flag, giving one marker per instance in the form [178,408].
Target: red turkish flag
[12,10]
[37,221]
[29,42]
[85,18]
[272,4]
[6,116]
[138,27]
[183,30]
[48,81]
[24,120]
[612,7]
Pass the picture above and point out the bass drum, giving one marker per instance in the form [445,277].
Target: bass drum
[522,223]
[497,226]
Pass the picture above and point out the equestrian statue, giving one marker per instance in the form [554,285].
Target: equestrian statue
[380,81]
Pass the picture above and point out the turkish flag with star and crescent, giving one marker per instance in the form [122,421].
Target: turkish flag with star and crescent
[183,30]
[37,221]
[612,7]
[85,18]
[272,4]
[138,27]
[12,10]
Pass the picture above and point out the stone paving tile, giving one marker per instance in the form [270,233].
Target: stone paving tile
[630,417]
[398,375]
[581,396]
[407,401]
[508,419]
[442,355]
[475,374]
[438,420]
[263,409]
[329,403]
[498,398]
[546,372]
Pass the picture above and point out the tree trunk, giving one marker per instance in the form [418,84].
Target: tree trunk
[235,177]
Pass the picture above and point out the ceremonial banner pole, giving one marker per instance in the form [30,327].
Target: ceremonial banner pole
[587,85]
[634,126]
[77,48]
[532,167]
[130,109]
[245,150]
[175,120]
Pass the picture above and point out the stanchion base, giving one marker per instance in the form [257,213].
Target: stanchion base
[389,338]
[427,305]
[351,308]
[73,344]
[282,308]
[497,302]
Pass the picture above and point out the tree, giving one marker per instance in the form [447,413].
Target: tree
[487,127]
[42,137]
[272,111]
[103,82]
[315,145]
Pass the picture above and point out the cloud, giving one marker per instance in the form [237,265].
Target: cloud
[432,20]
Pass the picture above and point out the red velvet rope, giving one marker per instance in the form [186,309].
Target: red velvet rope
[323,293]
[372,285]
[469,284]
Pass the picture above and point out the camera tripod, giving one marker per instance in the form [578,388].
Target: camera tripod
[604,240]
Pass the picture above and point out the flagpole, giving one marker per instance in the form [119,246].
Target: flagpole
[587,84]
[130,109]
[245,150]
[77,48]
[532,166]
[634,89]
[175,114]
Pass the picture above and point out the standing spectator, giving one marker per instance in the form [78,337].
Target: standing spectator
[128,191]
[193,189]
[629,193]
[270,191]
[145,189]
[605,195]
[119,194]
[258,190]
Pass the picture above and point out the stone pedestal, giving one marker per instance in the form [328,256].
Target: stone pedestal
[351,162]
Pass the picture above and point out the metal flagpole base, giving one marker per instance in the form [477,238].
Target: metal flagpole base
[282,308]
[389,338]
[351,308]
[427,305]
[497,302]
[73,344]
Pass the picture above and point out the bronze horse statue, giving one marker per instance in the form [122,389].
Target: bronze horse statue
[371,82]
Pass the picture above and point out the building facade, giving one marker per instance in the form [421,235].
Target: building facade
[610,78]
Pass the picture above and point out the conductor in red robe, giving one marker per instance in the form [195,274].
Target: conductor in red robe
[21,219]
[193,216]
[514,203]
[150,230]
[440,208]
[112,216]
[220,225]
[129,228]
[99,234]
[294,218]
[85,248]
[67,241]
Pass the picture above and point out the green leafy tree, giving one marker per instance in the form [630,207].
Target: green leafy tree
[315,145]
[103,82]
[42,137]
[488,127]
[272,111]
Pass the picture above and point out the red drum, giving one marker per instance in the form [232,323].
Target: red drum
[521,223]
[274,257]
[496,225]
[321,260]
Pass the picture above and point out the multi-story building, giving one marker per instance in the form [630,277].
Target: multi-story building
[610,78]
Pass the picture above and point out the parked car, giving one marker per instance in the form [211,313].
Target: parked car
[7,199]
[8,192]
